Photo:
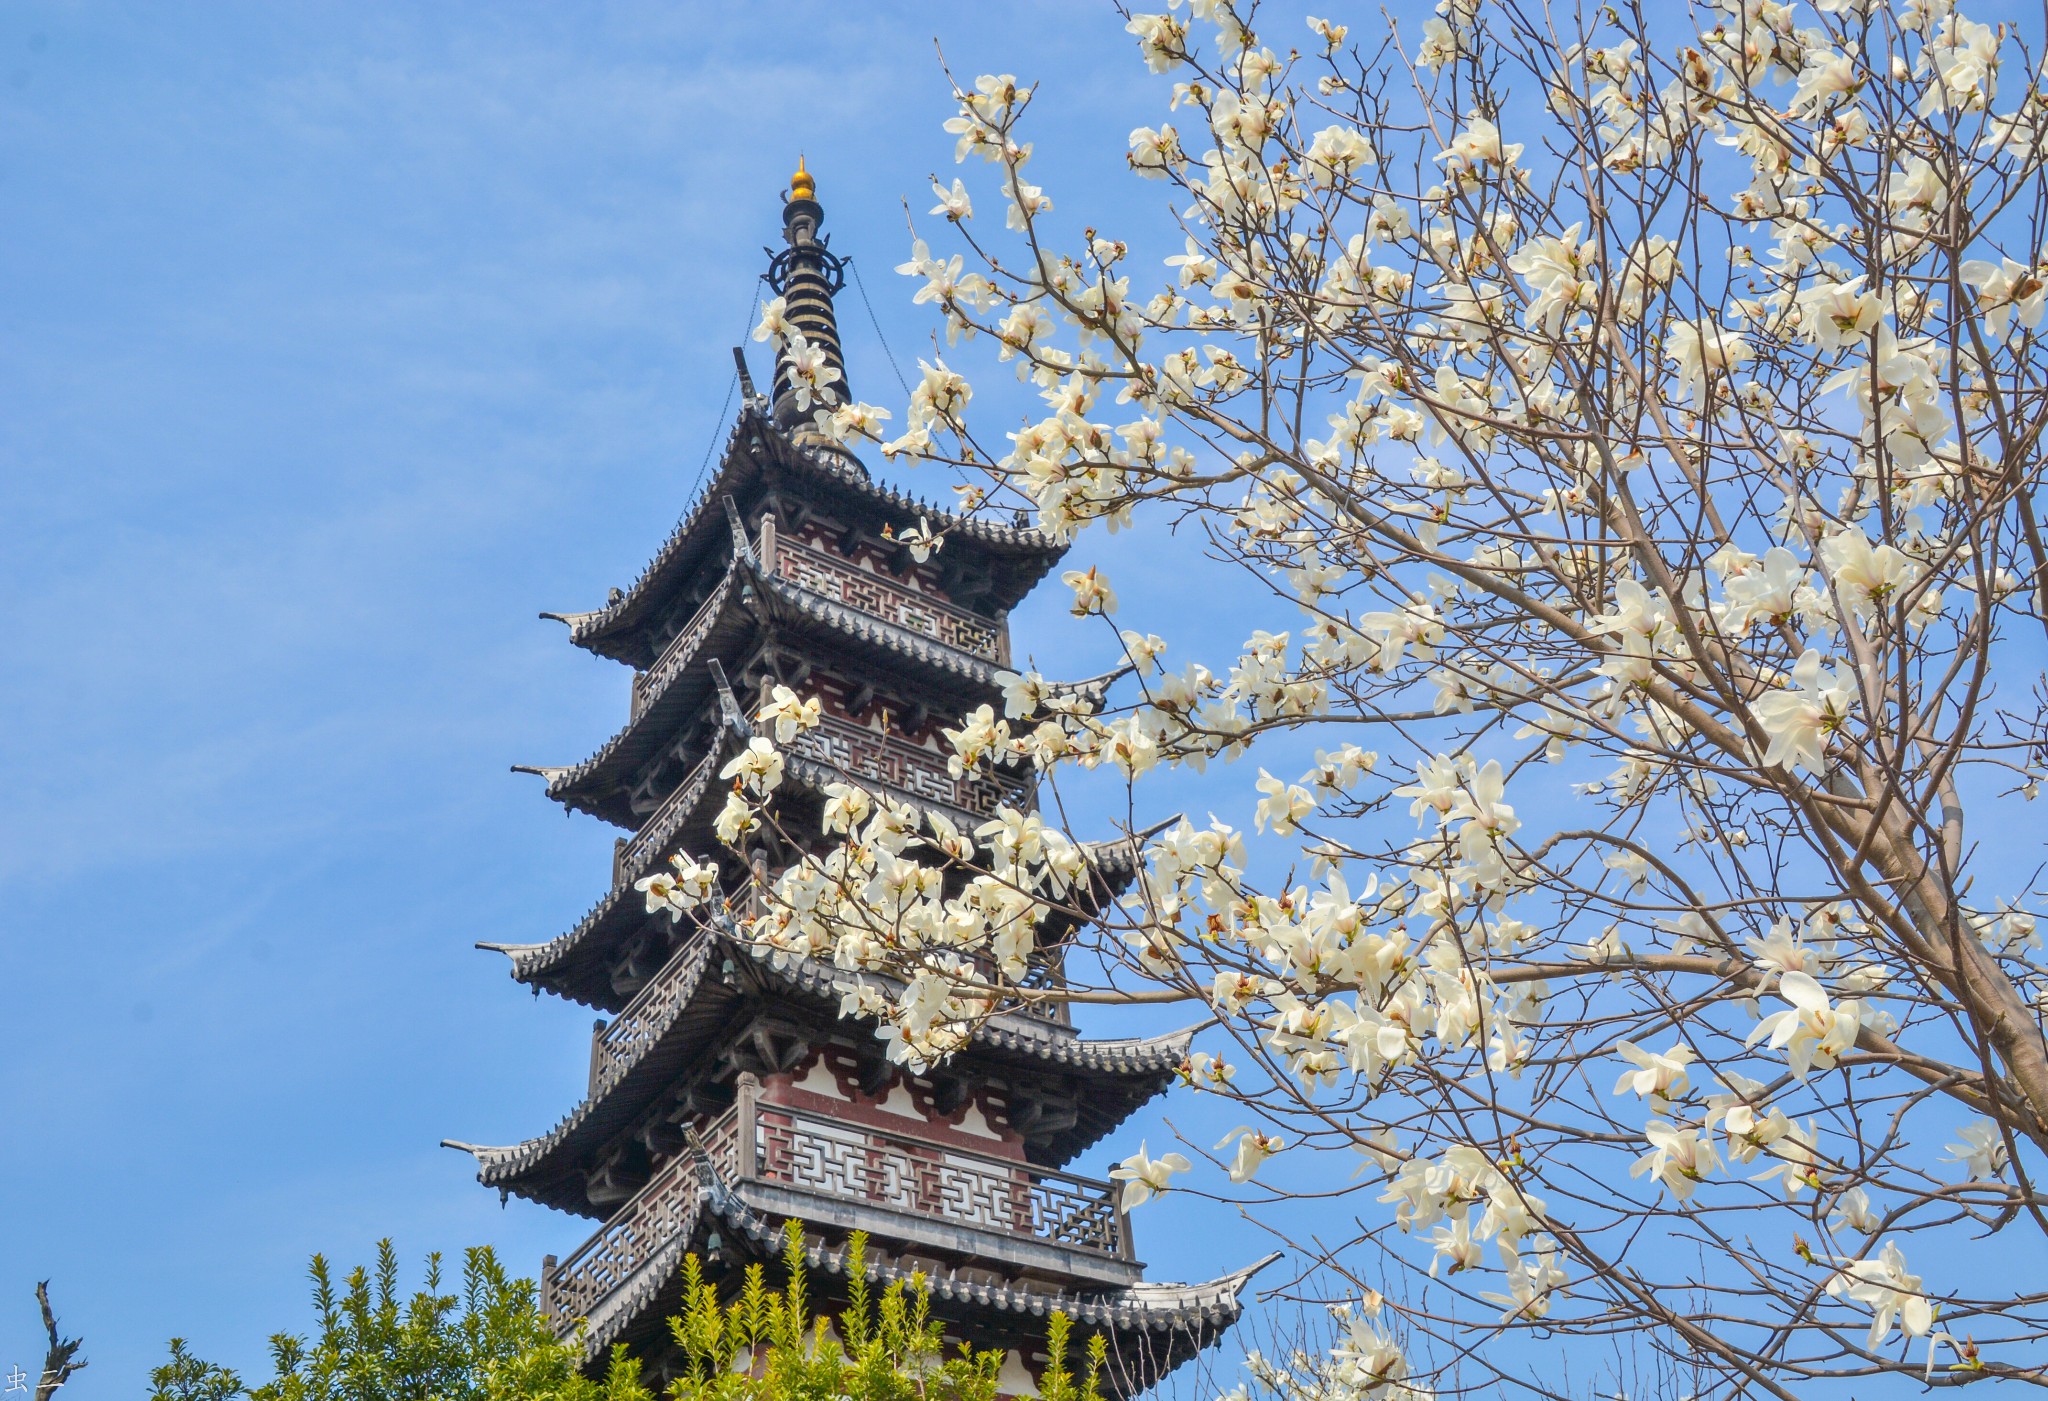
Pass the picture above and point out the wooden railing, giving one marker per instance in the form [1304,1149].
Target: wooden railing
[775,1143]
[575,1287]
[648,684]
[879,597]
[859,1163]
[909,768]
[641,1021]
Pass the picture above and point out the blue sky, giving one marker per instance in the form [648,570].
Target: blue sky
[337,342]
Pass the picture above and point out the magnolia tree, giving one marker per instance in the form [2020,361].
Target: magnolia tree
[1626,423]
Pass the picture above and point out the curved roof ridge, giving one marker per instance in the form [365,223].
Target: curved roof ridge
[1005,1031]
[894,636]
[847,622]
[752,421]
[585,625]
[501,1163]
[527,958]
[1147,1306]
[1229,1283]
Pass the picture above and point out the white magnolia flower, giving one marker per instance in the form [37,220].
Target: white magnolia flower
[735,819]
[1480,144]
[1453,1241]
[1144,1177]
[1092,593]
[1813,1032]
[1701,351]
[1799,720]
[788,713]
[1833,314]
[1883,1286]
[953,203]
[1659,1078]
[849,422]
[1162,40]
[2005,290]
[775,326]
[1982,1150]
[1284,805]
[1867,576]
[1253,1148]
[1336,152]
[1679,1157]
[1852,1212]
[689,884]
[1533,1284]
[811,374]
[921,540]
[1825,76]
[758,766]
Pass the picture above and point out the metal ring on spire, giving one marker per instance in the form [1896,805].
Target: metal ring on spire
[830,265]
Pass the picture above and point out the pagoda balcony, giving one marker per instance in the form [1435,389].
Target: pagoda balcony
[835,579]
[910,1194]
[911,770]
[635,857]
[676,655]
[894,767]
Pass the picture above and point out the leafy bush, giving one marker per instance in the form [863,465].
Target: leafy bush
[491,1343]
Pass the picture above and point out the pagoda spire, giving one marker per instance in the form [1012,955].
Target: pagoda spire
[805,274]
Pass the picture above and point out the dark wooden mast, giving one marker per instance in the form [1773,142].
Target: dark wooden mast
[726,1094]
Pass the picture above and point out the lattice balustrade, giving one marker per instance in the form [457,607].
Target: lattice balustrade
[849,1161]
[608,1259]
[642,1020]
[638,856]
[649,683]
[886,599]
[863,1164]
[909,768]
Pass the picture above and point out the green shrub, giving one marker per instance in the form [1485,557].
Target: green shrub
[490,1343]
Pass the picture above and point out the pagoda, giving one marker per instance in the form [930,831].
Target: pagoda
[727,1096]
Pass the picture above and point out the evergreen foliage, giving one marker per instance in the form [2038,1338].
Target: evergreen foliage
[885,1348]
[189,1378]
[489,1342]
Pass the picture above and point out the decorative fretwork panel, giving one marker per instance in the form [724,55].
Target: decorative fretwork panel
[885,599]
[775,1143]
[643,1019]
[638,856]
[858,1163]
[649,683]
[911,769]
[574,1288]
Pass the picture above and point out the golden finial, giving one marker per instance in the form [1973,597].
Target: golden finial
[801,185]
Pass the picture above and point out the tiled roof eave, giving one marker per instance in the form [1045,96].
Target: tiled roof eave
[1115,865]
[1201,1309]
[940,657]
[1138,1058]
[755,428]
[533,961]
[592,630]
